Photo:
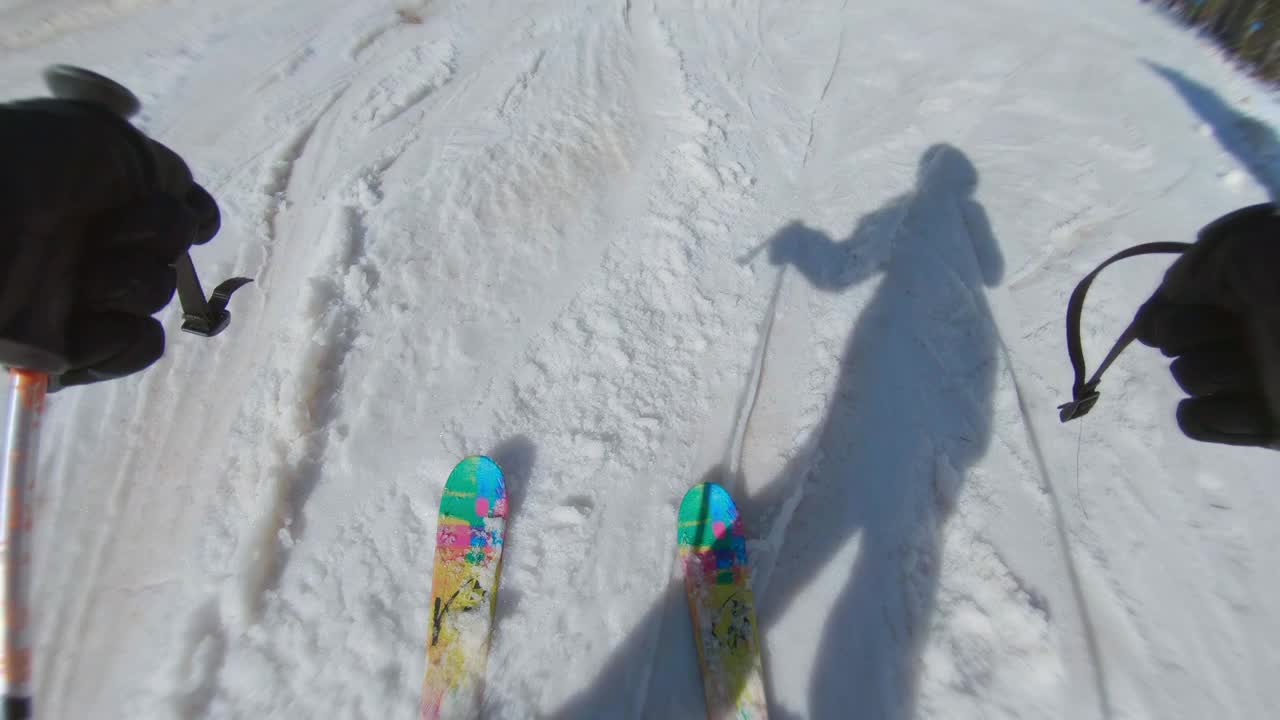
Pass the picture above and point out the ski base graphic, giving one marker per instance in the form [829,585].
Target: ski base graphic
[717,581]
[464,582]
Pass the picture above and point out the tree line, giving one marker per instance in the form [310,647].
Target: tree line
[1248,29]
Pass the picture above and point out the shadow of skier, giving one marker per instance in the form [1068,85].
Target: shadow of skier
[911,412]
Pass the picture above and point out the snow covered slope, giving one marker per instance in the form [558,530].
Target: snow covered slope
[527,229]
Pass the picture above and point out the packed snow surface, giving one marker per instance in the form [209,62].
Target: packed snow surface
[819,251]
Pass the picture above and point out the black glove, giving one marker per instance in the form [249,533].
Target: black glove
[93,215]
[1218,314]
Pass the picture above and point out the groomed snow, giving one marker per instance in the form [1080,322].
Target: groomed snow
[516,228]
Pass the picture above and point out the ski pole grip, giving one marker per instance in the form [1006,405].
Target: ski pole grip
[30,356]
[35,339]
[17,708]
[34,336]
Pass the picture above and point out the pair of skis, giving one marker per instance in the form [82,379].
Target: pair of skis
[469,539]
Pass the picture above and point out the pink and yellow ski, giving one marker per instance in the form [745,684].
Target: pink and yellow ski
[717,581]
[464,583]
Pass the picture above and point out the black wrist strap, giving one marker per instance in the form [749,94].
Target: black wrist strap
[1084,393]
[199,316]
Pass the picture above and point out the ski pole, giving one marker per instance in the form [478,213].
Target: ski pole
[17,479]
[33,351]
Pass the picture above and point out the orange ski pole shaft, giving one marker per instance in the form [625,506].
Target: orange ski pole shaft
[27,390]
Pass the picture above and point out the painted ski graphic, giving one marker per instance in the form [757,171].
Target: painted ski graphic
[717,581]
[464,582]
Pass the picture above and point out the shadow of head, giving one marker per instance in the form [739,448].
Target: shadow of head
[947,170]
[946,166]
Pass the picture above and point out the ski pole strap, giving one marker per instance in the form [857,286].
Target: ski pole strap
[1084,393]
[199,316]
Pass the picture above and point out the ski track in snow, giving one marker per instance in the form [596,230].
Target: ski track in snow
[536,231]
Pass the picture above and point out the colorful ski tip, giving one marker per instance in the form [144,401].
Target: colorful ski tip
[717,579]
[464,581]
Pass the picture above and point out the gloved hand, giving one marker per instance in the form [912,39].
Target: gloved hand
[1217,313]
[93,215]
